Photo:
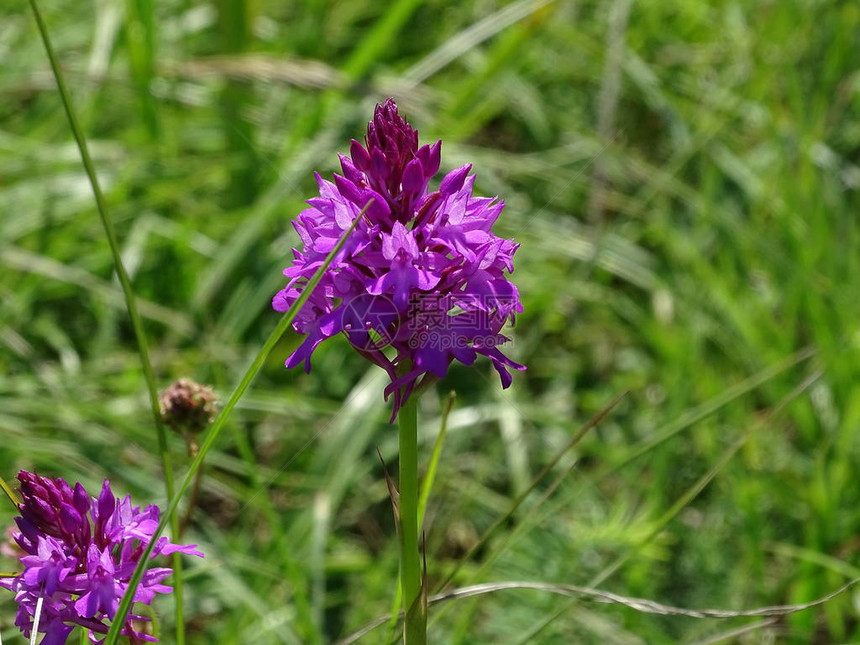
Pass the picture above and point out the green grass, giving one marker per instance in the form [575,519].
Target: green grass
[698,244]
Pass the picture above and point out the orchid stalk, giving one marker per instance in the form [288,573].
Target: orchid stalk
[415,628]
[421,283]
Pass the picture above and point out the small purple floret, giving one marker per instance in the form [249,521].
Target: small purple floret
[422,272]
[79,553]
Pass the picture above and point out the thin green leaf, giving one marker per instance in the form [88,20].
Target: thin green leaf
[690,494]
[11,494]
[430,475]
[703,481]
[593,421]
[128,293]
[642,605]
[282,326]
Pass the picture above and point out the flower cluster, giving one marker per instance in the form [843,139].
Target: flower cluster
[422,272]
[78,554]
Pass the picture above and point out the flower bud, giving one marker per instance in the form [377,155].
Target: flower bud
[187,407]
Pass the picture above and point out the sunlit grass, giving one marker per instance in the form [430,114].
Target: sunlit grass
[719,274]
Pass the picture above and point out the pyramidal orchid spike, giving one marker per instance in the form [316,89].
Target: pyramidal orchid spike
[423,277]
[78,553]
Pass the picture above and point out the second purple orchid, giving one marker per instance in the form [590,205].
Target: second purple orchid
[78,554]
[422,272]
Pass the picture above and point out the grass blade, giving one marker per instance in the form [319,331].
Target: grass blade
[706,479]
[593,421]
[140,34]
[641,604]
[732,634]
[128,293]
[13,497]
[682,501]
[598,595]
[707,408]
[430,476]
[282,326]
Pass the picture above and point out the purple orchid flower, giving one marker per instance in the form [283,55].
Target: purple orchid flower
[422,273]
[78,555]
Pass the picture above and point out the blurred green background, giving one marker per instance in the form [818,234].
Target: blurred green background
[683,178]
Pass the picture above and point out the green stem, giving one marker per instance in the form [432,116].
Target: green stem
[415,630]
[128,293]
